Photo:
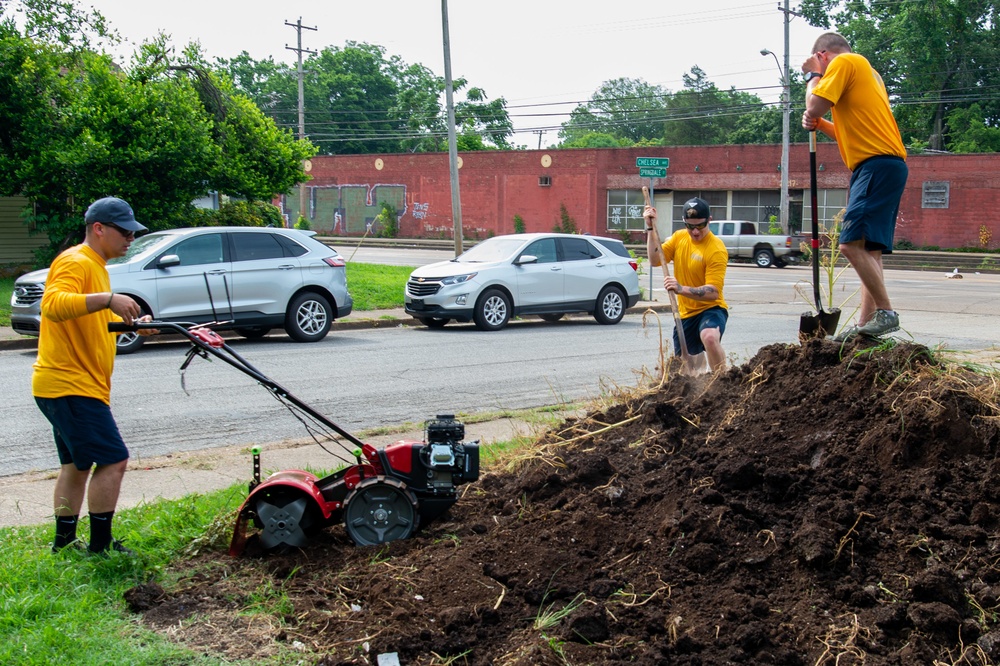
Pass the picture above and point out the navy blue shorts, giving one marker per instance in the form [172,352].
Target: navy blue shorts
[873,202]
[714,317]
[85,431]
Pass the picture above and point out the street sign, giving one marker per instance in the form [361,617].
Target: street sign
[662,162]
[653,172]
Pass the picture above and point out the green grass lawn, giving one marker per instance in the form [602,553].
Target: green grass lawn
[373,287]
[6,289]
[376,286]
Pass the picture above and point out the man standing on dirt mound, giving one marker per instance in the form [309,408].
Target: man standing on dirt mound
[72,374]
[700,261]
[846,84]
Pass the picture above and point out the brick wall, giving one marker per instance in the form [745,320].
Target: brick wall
[345,191]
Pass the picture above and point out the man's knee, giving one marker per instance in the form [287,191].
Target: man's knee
[710,337]
[113,469]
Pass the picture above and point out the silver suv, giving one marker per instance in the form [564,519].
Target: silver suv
[526,274]
[245,278]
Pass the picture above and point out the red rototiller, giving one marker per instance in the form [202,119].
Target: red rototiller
[380,494]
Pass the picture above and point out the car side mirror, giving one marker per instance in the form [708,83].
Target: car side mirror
[168,260]
[526,259]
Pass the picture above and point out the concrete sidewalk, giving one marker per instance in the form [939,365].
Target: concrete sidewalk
[360,319]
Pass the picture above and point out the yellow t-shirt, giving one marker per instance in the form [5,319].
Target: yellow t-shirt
[76,354]
[697,264]
[862,119]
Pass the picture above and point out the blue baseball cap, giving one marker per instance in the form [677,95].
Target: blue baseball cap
[112,210]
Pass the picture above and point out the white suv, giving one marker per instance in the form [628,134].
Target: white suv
[526,274]
[250,279]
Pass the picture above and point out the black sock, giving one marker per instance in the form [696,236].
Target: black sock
[100,531]
[65,531]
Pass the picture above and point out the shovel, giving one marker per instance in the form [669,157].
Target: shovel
[666,273]
[822,323]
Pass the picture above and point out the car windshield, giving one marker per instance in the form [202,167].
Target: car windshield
[491,249]
[140,245]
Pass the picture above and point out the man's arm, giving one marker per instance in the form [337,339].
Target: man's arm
[652,250]
[816,108]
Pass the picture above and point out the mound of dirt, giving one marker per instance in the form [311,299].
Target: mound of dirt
[813,506]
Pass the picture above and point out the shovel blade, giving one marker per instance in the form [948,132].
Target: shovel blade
[820,324]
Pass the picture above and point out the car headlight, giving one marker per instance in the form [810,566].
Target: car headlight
[458,279]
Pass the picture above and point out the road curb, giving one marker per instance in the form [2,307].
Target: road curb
[349,324]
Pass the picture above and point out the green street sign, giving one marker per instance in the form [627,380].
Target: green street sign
[662,162]
[653,172]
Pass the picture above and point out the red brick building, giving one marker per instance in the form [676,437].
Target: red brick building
[949,201]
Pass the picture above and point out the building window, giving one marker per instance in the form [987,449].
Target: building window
[830,203]
[936,194]
[756,205]
[625,210]
[544,181]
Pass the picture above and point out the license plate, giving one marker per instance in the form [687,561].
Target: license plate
[417,304]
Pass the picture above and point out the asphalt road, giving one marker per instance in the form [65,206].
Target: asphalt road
[387,376]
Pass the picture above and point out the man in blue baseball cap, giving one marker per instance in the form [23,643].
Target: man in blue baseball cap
[71,381]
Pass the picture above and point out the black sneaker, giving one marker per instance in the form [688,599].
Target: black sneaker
[115,546]
[74,546]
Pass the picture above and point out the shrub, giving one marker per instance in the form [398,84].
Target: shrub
[518,224]
[387,221]
[566,225]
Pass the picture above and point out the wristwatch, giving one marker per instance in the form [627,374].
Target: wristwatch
[812,75]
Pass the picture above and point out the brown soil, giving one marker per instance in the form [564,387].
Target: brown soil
[801,509]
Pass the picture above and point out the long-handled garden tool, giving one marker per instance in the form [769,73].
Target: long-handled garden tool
[822,323]
[666,273]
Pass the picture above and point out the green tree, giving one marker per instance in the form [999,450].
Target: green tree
[159,135]
[701,114]
[630,110]
[359,100]
[595,140]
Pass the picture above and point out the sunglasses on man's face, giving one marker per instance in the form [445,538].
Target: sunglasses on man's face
[692,227]
[123,232]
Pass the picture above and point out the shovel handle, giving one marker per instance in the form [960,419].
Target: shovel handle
[666,274]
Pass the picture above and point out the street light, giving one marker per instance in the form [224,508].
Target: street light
[786,105]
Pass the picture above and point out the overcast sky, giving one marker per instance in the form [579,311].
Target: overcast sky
[534,53]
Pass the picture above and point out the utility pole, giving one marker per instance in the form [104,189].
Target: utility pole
[302,110]
[786,112]
[539,133]
[456,200]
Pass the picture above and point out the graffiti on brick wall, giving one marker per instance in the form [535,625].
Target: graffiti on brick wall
[346,209]
[420,210]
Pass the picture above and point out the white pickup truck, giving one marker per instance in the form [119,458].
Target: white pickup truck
[744,241]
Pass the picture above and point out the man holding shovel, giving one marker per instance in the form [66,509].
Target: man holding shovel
[845,83]
[700,261]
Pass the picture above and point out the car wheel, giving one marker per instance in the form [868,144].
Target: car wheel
[610,306]
[130,342]
[254,332]
[308,318]
[434,322]
[763,258]
[552,317]
[492,310]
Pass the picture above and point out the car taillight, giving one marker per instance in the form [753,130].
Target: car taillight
[634,265]
[336,262]
[788,242]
